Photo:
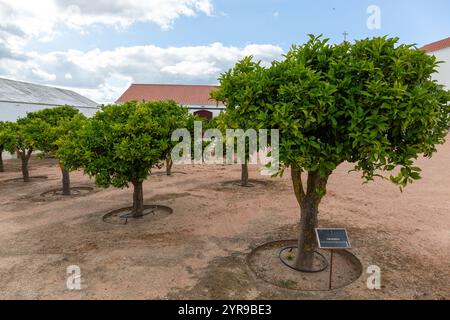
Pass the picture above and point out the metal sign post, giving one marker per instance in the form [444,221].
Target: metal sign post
[331,269]
[332,239]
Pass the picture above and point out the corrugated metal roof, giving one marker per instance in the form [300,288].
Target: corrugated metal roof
[189,95]
[438,45]
[22,92]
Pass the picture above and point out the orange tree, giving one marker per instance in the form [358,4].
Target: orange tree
[57,123]
[119,146]
[21,137]
[372,103]
[241,88]
[175,117]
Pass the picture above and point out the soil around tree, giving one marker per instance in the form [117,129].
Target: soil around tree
[124,216]
[20,180]
[207,241]
[164,174]
[265,263]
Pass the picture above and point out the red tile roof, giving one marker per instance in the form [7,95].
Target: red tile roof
[438,45]
[182,94]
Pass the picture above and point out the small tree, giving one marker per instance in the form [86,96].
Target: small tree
[119,146]
[174,116]
[240,88]
[22,139]
[61,122]
[372,103]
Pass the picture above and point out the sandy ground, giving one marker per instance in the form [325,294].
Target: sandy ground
[199,252]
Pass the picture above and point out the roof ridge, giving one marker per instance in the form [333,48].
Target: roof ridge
[437,45]
[55,93]
[44,86]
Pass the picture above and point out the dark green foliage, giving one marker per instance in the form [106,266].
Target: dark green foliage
[372,103]
[122,143]
[22,136]
[56,123]
[53,116]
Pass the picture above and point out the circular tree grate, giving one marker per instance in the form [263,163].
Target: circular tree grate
[272,263]
[125,216]
[75,192]
[32,179]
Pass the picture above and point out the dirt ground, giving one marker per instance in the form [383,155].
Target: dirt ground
[199,252]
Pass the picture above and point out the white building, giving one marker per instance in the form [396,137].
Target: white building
[195,97]
[441,50]
[18,98]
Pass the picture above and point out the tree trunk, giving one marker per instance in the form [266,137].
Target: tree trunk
[138,200]
[65,181]
[25,158]
[169,165]
[307,242]
[2,168]
[309,205]
[244,175]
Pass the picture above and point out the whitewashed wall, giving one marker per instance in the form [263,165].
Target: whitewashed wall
[13,111]
[444,69]
[7,156]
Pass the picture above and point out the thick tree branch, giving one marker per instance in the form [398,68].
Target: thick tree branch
[29,153]
[296,174]
[317,185]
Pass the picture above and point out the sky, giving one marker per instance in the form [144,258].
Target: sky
[98,48]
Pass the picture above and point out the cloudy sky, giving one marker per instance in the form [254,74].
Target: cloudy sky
[99,47]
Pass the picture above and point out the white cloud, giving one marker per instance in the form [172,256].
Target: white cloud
[21,20]
[192,68]
[45,76]
[125,12]
[103,75]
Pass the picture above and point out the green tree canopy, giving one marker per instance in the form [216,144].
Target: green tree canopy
[53,116]
[372,103]
[56,121]
[22,138]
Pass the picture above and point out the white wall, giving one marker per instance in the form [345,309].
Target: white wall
[7,156]
[13,111]
[444,69]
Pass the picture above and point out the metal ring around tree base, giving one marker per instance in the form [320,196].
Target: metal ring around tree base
[324,260]
[120,215]
[146,212]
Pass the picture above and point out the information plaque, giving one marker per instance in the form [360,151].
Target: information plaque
[333,239]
